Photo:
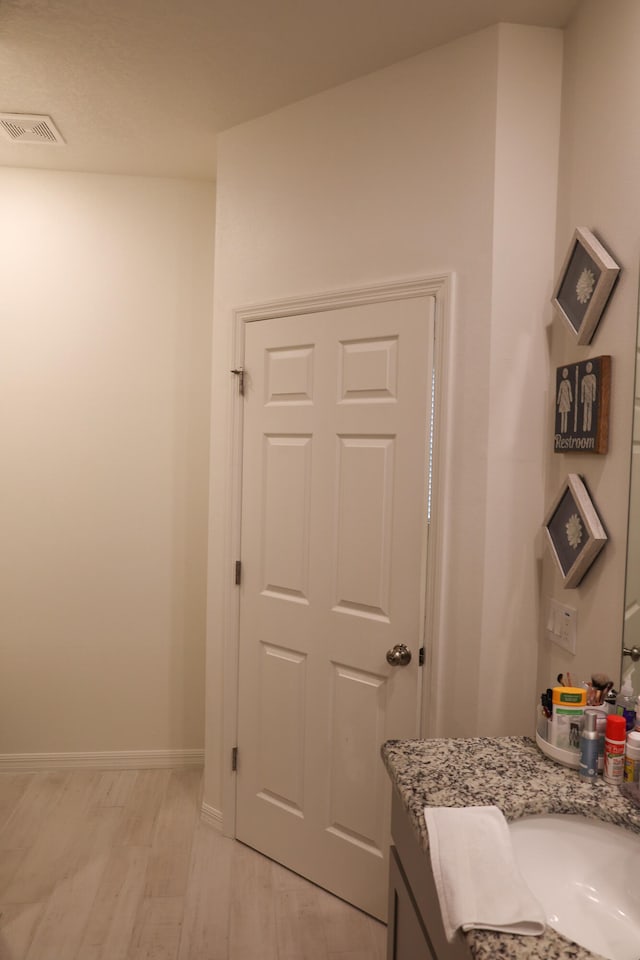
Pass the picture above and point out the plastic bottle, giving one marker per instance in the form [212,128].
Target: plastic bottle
[566,719]
[601,727]
[632,758]
[614,744]
[626,703]
[589,739]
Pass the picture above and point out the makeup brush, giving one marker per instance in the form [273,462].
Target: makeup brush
[602,683]
[600,680]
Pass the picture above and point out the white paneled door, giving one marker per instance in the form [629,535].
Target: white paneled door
[334,524]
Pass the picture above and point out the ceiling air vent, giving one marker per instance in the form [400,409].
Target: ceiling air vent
[27,128]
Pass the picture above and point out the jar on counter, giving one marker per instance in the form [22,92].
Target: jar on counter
[632,758]
[568,705]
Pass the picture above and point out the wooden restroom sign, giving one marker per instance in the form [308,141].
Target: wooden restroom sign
[582,406]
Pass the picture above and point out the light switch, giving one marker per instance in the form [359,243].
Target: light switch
[562,625]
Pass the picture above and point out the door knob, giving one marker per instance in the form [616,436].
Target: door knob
[399,656]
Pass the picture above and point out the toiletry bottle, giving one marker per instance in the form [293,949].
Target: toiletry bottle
[568,708]
[626,702]
[632,758]
[637,727]
[601,727]
[589,738]
[614,744]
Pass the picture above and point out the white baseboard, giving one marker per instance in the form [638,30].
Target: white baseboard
[101,760]
[211,816]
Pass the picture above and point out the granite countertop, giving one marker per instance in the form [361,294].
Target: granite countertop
[514,775]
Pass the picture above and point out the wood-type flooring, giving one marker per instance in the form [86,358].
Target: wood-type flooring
[117,865]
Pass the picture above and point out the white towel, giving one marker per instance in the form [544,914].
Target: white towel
[477,878]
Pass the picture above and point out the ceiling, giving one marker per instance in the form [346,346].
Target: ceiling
[144,86]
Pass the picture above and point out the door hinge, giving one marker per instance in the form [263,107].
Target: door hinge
[238,573]
[234,759]
[421,657]
[239,372]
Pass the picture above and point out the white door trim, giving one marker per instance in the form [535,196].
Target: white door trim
[439,287]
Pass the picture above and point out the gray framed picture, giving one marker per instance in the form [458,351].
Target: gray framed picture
[582,406]
[585,283]
[575,533]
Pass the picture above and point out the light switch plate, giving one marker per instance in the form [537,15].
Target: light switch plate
[562,625]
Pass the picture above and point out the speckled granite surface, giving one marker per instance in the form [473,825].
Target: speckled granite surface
[513,774]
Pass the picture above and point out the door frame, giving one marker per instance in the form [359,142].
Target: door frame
[440,287]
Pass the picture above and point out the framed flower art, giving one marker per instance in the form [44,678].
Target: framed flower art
[574,531]
[585,283]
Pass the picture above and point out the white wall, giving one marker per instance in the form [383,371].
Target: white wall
[106,293]
[526,170]
[408,172]
[600,160]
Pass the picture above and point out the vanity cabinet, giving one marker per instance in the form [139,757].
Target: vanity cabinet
[415,930]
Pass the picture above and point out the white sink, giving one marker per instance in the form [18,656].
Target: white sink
[586,876]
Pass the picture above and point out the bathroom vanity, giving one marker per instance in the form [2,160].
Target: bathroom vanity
[510,773]
[415,931]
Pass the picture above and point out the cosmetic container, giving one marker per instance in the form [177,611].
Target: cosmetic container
[601,727]
[566,721]
[626,703]
[589,738]
[632,758]
[614,746]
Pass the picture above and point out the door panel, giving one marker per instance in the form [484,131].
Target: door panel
[285,517]
[364,518]
[335,457]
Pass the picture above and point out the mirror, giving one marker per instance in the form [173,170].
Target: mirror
[631,631]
